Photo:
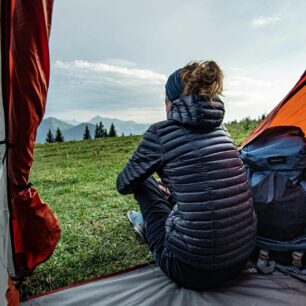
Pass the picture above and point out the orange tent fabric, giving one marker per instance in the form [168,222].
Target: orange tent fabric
[27,23]
[12,294]
[291,111]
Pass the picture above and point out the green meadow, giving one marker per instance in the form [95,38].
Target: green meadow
[78,181]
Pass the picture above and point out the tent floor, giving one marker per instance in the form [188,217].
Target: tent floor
[149,286]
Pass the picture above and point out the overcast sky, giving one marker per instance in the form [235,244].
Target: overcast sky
[112,58]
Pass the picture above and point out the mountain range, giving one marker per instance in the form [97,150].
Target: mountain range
[74,130]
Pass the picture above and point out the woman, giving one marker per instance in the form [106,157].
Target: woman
[198,219]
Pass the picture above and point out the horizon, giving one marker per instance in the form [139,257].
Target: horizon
[109,118]
[91,118]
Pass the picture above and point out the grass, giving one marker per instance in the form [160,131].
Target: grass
[78,181]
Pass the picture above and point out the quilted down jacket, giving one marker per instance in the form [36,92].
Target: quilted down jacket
[213,224]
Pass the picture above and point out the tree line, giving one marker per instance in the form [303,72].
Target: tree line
[247,123]
[100,132]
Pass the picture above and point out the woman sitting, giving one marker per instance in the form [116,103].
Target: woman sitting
[198,219]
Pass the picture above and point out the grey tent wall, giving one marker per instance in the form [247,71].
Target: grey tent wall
[6,257]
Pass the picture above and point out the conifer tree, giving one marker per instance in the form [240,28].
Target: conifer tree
[112,131]
[104,133]
[59,137]
[86,134]
[50,137]
[103,130]
[97,135]
[100,131]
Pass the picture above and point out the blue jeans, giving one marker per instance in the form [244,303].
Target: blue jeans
[155,210]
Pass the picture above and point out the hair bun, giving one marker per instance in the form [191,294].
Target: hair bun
[204,77]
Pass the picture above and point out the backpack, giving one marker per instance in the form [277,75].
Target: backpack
[275,163]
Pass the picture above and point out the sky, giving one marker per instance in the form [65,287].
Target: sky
[113,58]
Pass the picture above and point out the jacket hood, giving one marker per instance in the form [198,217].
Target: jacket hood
[197,112]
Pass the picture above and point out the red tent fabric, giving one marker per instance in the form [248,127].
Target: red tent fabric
[27,23]
[289,112]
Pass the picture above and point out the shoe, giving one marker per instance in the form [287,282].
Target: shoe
[136,221]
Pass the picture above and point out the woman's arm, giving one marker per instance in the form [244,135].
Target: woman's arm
[144,162]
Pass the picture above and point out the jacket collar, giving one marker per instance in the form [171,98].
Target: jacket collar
[197,112]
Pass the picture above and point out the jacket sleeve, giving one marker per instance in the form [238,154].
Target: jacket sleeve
[144,162]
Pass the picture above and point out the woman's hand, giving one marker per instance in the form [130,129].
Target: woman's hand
[163,187]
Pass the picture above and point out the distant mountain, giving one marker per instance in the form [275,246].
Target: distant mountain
[126,127]
[52,124]
[75,132]
[73,121]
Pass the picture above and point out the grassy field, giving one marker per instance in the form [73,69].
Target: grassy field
[78,181]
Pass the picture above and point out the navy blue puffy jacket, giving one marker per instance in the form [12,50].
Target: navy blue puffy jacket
[213,224]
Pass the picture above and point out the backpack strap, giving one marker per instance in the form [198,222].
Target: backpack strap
[271,187]
[281,246]
[293,271]
[263,264]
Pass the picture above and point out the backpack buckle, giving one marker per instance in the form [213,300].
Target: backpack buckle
[264,254]
[263,264]
[297,258]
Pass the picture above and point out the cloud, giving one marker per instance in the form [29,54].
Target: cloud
[95,73]
[114,87]
[261,21]
[83,89]
[240,80]
[247,95]
[245,88]
[119,62]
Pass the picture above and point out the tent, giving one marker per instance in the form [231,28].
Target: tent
[289,112]
[29,231]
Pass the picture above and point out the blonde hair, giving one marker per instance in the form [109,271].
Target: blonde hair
[202,78]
